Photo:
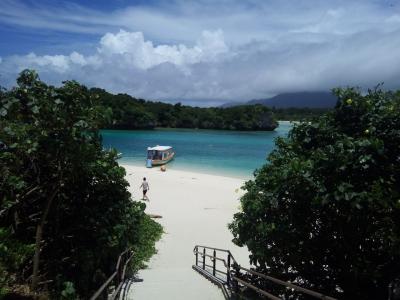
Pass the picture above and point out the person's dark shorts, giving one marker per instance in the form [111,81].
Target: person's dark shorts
[144,192]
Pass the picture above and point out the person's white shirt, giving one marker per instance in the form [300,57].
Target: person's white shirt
[145,185]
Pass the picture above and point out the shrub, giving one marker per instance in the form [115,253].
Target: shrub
[62,196]
[325,210]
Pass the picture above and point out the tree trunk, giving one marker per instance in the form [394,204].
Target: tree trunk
[36,257]
[38,240]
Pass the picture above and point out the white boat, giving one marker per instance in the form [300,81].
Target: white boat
[159,155]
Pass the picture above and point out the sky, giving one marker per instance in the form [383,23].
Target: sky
[203,52]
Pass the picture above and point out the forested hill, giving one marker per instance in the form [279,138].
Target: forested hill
[127,112]
[299,100]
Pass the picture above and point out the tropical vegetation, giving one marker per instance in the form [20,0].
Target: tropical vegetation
[324,211]
[65,210]
[298,113]
[128,112]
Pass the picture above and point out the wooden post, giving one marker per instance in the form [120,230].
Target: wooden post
[228,270]
[214,260]
[204,258]
[38,240]
[119,273]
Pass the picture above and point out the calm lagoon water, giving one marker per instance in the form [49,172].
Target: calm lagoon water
[229,153]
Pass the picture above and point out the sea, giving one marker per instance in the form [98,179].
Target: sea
[220,152]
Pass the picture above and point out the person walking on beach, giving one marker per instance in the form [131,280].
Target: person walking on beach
[145,186]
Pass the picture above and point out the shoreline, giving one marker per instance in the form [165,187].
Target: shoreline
[221,153]
[226,173]
[199,129]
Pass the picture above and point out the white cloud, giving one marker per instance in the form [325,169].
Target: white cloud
[77,58]
[132,47]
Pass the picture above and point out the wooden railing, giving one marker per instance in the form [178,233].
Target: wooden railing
[116,280]
[232,278]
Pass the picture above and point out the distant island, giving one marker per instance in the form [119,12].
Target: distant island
[299,100]
[127,112]
[294,106]
[310,100]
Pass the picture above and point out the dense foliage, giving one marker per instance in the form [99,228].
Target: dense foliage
[65,211]
[298,114]
[131,113]
[325,210]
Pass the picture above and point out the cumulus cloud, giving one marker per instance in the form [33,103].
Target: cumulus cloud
[253,49]
[143,54]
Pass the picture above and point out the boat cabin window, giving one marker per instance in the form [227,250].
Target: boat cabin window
[150,154]
[158,155]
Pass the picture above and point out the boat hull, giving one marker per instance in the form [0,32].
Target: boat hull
[157,162]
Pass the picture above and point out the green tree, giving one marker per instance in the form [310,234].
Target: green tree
[64,202]
[298,113]
[325,210]
[128,112]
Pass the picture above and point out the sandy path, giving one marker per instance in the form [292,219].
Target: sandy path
[196,209]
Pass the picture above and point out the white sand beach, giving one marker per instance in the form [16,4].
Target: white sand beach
[195,209]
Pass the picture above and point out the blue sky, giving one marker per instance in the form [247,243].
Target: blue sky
[203,52]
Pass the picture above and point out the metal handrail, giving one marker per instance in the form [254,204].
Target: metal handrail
[119,275]
[234,274]
[229,262]
[258,290]
[104,285]
[212,258]
[207,255]
[211,248]
[289,284]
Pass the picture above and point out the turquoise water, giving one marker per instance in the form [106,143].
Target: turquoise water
[229,153]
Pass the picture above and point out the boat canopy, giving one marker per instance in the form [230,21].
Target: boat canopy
[159,148]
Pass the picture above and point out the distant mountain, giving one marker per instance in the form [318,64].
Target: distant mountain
[299,100]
